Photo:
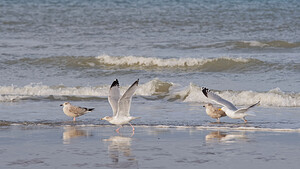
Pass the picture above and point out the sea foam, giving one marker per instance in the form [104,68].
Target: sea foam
[166,90]
[158,62]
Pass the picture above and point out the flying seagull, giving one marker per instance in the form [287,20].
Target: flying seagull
[120,105]
[230,110]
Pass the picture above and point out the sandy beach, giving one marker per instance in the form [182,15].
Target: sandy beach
[150,147]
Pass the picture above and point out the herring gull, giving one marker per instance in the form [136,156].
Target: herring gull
[214,112]
[120,105]
[230,110]
[75,111]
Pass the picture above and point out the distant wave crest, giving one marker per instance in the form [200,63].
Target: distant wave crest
[218,64]
[270,44]
[201,64]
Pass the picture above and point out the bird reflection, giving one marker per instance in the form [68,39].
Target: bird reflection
[225,137]
[120,146]
[72,132]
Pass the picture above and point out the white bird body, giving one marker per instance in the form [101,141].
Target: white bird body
[230,110]
[120,120]
[121,105]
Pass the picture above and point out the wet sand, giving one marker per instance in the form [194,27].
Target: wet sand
[67,147]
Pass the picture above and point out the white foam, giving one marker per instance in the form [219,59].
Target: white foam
[44,90]
[14,93]
[153,61]
[154,87]
[170,91]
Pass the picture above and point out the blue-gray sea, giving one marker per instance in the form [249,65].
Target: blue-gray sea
[54,51]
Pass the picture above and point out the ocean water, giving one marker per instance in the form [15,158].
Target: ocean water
[56,51]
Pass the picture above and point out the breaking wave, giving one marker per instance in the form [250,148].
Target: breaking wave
[154,89]
[204,64]
[218,64]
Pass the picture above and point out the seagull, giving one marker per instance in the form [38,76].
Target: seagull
[120,105]
[230,110]
[214,112]
[75,111]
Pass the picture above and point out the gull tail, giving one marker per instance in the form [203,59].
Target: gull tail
[132,118]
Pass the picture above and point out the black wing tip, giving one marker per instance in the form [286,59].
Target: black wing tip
[205,91]
[255,104]
[91,109]
[115,83]
[137,81]
[87,109]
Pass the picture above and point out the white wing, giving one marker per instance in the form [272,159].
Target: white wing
[218,99]
[243,110]
[114,96]
[125,101]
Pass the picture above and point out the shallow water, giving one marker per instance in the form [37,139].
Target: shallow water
[150,147]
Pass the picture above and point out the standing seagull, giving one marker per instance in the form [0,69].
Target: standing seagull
[121,105]
[214,112]
[230,110]
[75,111]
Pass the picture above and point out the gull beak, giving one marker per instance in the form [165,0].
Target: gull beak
[101,119]
[203,106]
[220,109]
[61,105]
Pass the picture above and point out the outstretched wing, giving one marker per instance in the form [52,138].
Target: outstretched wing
[218,99]
[114,96]
[243,110]
[125,101]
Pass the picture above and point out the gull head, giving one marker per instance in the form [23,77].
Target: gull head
[208,105]
[65,104]
[107,118]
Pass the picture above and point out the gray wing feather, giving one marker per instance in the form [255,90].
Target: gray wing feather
[243,110]
[114,96]
[218,99]
[78,111]
[125,101]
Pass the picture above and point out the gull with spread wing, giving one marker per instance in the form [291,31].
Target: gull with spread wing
[121,105]
[230,110]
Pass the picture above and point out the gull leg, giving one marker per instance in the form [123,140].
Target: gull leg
[244,120]
[74,119]
[132,134]
[218,120]
[117,130]
[132,130]
[132,127]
